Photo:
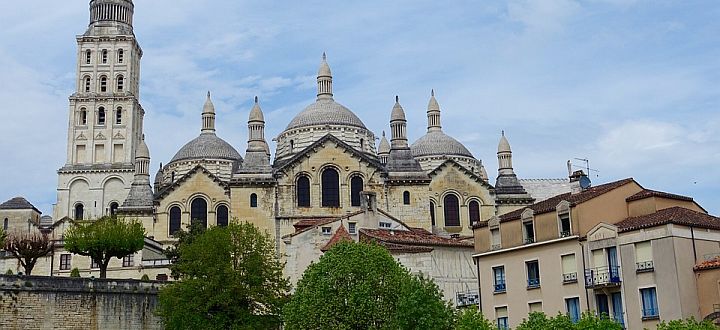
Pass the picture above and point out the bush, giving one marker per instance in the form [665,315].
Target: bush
[472,319]
[145,278]
[687,324]
[75,272]
[9,272]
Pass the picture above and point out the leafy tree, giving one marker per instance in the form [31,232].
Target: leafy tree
[27,248]
[229,278]
[9,272]
[590,321]
[75,272]
[184,237]
[687,324]
[472,319]
[104,239]
[3,235]
[361,286]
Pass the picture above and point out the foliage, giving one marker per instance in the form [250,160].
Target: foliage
[183,238]
[75,272]
[104,239]
[3,236]
[472,319]
[687,324]
[145,278]
[9,272]
[27,248]
[229,278]
[361,286]
[588,321]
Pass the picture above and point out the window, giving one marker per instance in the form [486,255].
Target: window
[601,304]
[6,224]
[565,229]
[616,298]
[94,264]
[87,84]
[326,231]
[406,198]
[432,214]
[118,116]
[174,220]
[572,306]
[385,224]
[120,83]
[303,191]
[501,316]
[88,56]
[533,274]
[128,260]
[535,307]
[121,55]
[222,216]
[113,209]
[330,188]
[474,212]
[65,261]
[101,116]
[104,56]
[292,145]
[499,279]
[452,211]
[569,268]
[79,210]
[83,117]
[495,239]
[649,304]
[103,84]
[198,212]
[352,228]
[356,186]
[643,257]
[253,200]
[528,231]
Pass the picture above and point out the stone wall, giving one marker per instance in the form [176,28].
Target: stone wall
[32,302]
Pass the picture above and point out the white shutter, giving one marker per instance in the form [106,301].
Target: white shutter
[643,251]
[599,258]
[568,264]
[536,307]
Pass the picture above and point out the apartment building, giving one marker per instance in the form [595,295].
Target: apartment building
[616,248]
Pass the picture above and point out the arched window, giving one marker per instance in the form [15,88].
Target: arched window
[406,198]
[104,56]
[82,120]
[292,145]
[118,116]
[452,211]
[253,200]
[120,83]
[174,224]
[474,209]
[330,188]
[103,84]
[222,216]
[87,84]
[113,209]
[198,212]
[432,214]
[79,212]
[6,224]
[356,186]
[362,144]
[303,191]
[101,116]
[88,56]
[121,55]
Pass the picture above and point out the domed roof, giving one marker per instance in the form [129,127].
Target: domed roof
[504,145]
[207,146]
[326,111]
[142,151]
[256,113]
[384,147]
[397,112]
[436,143]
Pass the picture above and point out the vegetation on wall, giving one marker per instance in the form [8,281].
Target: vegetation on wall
[104,239]
[228,278]
[27,248]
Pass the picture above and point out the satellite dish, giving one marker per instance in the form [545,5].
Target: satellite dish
[584,182]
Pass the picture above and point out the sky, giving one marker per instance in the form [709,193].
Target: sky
[630,85]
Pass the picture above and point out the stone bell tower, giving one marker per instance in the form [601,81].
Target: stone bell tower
[105,121]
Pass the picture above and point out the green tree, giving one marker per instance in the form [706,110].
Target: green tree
[104,239]
[472,319]
[228,278]
[75,272]
[27,248]
[183,237]
[361,286]
[588,321]
[687,324]
[3,235]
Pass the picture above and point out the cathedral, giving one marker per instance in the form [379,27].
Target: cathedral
[326,169]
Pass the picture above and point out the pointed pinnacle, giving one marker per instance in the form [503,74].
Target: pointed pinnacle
[256,99]
[432,92]
[324,56]
[397,99]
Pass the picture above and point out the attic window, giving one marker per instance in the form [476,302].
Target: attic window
[326,231]
[385,224]
[352,228]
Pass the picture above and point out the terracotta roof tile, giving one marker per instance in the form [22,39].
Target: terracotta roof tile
[708,264]
[647,193]
[18,203]
[412,237]
[341,234]
[674,215]
[404,248]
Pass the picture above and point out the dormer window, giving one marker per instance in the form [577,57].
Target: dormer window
[528,232]
[565,229]
[495,239]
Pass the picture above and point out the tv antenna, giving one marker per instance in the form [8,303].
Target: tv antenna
[586,167]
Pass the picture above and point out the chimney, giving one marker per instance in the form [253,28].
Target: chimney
[579,182]
[368,201]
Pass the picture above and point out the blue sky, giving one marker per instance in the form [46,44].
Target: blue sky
[631,85]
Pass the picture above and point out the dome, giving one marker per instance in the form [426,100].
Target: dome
[256,113]
[384,147]
[326,112]
[397,112]
[207,146]
[504,145]
[437,143]
[142,151]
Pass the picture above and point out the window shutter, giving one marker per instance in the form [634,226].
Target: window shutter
[568,264]
[501,312]
[599,258]
[536,307]
[643,251]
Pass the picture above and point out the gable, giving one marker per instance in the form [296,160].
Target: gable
[198,180]
[602,231]
[451,175]
[329,149]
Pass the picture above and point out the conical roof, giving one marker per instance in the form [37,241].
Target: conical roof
[384,147]
[504,145]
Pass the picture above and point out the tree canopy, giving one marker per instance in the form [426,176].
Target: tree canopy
[104,239]
[361,286]
[472,319]
[27,248]
[228,278]
[588,321]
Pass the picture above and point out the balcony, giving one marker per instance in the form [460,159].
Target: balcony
[565,234]
[529,240]
[570,278]
[500,287]
[533,283]
[496,247]
[645,266]
[602,277]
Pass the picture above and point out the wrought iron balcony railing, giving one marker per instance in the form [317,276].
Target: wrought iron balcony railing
[570,277]
[602,276]
[645,266]
[500,287]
